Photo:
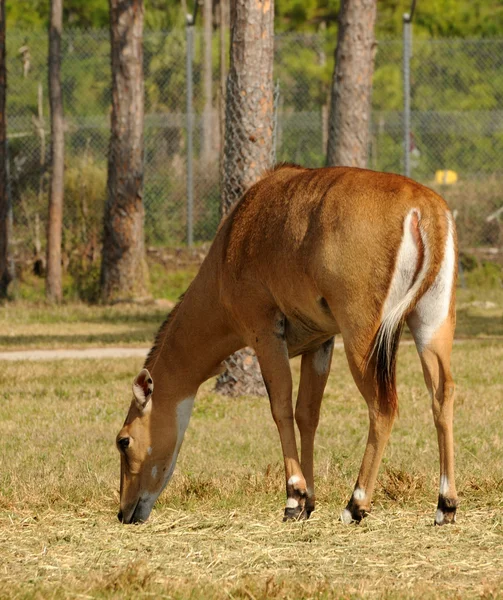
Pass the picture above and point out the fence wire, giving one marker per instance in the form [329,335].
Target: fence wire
[456,140]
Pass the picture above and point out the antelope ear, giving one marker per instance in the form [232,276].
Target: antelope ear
[143,386]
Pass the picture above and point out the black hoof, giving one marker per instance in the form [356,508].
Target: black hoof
[295,514]
[353,513]
[446,511]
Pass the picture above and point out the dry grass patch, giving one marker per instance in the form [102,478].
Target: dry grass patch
[216,532]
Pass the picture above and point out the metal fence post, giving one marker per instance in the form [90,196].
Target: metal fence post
[406,93]
[190,131]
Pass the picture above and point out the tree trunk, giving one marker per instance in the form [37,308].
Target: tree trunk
[207,81]
[248,146]
[53,284]
[124,273]
[224,24]
[249,107]
[352,84]
[5,274]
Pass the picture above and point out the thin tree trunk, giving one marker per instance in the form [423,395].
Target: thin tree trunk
[124,274]
[352,84]
[5,274]
[249,104]
[248,149]
[224,25]
[207,81]
[54,287]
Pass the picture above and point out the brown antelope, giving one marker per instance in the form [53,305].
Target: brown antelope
[306,254]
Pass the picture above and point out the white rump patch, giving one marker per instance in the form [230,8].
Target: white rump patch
[433,308]
[402,290]
[359,494]
[444,485]
[346,517]
[291,503]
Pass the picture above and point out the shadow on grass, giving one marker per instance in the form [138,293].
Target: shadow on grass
[143,337]
[471,324]
[108,315]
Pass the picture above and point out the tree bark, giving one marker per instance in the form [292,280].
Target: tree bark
[224,24]
[53,284]
[5,274]
[352,84]
[124,274]
[248,146]
[207,81]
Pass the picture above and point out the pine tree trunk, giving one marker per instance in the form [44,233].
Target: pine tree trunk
[207,80]
[124,273]
[349,121]
[249,105]
[248,146]
[5,274]
[54,286]
[224,25]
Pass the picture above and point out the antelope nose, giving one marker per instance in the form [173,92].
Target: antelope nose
[119,516]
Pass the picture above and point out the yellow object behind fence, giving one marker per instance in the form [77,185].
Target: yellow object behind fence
[446,177]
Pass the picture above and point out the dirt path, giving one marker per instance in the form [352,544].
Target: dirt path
[97,353]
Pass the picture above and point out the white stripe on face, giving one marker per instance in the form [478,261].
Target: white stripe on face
[183,414]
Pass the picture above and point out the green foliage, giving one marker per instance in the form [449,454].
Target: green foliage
[170,284]
[488,275]
[433,18]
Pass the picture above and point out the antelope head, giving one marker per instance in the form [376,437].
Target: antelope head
[148,442]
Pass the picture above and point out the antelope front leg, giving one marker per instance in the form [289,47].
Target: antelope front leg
[313,378]
[272,355]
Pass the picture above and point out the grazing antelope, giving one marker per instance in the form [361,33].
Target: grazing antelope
[306,254]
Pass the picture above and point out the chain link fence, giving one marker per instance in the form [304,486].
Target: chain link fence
[455,145]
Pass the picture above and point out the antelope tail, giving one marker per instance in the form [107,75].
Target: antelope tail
[411,267]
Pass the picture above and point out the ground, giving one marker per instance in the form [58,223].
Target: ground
[216,532]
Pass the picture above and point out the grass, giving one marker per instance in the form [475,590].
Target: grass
[216,532]
[25,325]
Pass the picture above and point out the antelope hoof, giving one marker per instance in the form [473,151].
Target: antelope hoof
[353,513]
[446,511]
[295,514]
[298,510]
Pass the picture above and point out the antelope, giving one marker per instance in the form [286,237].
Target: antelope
[306,254]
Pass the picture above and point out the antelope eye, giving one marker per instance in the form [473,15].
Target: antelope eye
[123,443]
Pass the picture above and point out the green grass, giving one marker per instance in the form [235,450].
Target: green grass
[216,532]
